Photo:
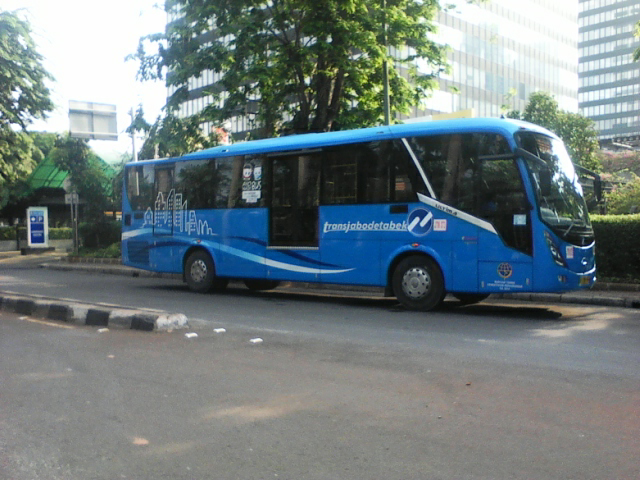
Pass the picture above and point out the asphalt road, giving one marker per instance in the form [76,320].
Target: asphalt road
[339,388]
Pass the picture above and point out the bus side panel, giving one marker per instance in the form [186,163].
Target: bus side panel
[240,241]
[463,238]
[503,269]
[294,264]
[350,237]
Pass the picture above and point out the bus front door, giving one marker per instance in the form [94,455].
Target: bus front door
[293,252]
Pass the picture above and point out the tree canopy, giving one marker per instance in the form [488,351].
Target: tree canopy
[88,177]
[577,132]
[24,97]
[314,66]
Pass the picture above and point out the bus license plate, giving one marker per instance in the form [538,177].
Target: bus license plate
[585,280]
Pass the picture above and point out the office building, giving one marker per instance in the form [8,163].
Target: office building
[609,91]
[504,50]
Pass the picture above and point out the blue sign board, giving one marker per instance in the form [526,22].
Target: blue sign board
[38,226]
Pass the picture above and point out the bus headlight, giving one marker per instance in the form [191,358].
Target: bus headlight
[555,252]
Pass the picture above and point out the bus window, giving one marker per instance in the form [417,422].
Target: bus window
[204,183]
[374,172]
[246,186]
[452,166]
[140,187]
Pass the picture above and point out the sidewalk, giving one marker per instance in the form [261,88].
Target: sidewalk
[603,294]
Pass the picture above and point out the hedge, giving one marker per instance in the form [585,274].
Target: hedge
[9,233]
[617,246]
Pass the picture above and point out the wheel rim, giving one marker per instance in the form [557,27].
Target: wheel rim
[198,271]
[416,283]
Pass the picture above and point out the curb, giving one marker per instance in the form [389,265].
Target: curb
[585,299]
[96,315]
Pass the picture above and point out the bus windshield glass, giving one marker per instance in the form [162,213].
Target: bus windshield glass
[560,197]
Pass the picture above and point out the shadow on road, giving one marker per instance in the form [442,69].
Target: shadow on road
[359,299]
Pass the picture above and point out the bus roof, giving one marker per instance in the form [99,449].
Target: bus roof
[308,141]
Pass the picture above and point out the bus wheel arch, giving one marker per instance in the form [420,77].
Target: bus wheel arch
[417,282]
[199,271]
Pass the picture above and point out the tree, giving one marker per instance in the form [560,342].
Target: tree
[86,173]
[171,136]
[24,97]
[314,66]
[577,131]
[624,198]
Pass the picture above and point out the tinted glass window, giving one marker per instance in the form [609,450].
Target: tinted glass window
[452,166]
[140,187]
[374,172]
[204,183]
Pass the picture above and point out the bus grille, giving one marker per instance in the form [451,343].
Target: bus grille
[138,252]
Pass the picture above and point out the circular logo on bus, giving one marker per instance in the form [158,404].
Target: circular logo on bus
[420,222]
[505,270]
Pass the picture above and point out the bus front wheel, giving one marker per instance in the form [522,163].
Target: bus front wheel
[418,283]
[200,273]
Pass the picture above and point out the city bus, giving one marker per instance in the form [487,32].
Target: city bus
[467,207]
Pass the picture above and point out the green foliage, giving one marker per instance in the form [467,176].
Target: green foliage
[577,131]
[23,94]
[100,234]
[314,66]
[619,162]
[624,198]
[7,233]
[23,98]
[60,233]
[17,152]
[172,136]
[617,252]
[112,251]
[87,175]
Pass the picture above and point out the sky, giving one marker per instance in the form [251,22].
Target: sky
[84,44]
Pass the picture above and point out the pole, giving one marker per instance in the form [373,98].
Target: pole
[74,208]
[385,67]
[133,138]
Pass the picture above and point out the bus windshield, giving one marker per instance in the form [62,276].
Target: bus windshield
[557,188]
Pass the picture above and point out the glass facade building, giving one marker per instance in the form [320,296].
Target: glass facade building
[609,91]
[500,53]
[504,50]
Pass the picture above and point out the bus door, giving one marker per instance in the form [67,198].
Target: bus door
[163,218]
[293,251]
[506,256]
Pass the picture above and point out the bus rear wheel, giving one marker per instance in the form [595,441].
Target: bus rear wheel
[257,285]
[470,298]
[200,273]
[418,283]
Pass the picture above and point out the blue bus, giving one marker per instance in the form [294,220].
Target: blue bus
[468,207]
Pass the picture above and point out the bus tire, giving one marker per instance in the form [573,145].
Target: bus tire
[470,298]
[418,283]
[200,273]
[257,285]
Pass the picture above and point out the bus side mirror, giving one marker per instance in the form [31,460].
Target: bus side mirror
[597,188]
[544,177]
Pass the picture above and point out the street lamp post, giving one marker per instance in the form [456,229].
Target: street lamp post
[385,66]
